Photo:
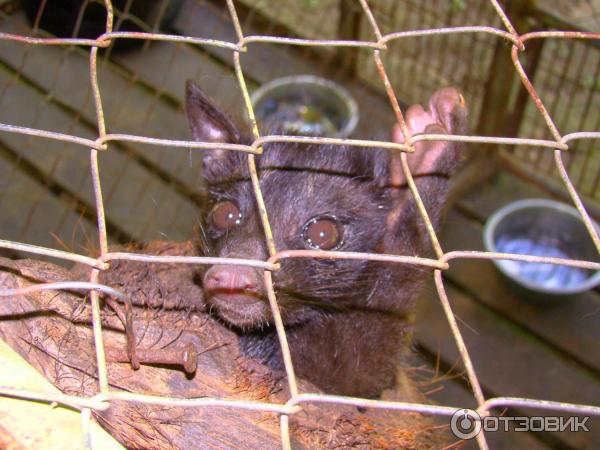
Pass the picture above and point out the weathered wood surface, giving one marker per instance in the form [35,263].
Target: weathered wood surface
[30,213]
[51,330]
[447,387]
[569,326]
[519,347]
[508,362]
[135,181]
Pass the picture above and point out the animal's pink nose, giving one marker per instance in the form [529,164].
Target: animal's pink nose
[231,279]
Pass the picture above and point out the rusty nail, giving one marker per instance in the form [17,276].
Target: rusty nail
[187,357]
[127,320]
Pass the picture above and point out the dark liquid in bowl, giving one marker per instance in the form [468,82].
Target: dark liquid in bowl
[301,114]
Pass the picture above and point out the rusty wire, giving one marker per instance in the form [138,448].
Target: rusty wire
[101,401]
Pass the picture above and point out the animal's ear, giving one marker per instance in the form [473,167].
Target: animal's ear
[431,165]
[209,124]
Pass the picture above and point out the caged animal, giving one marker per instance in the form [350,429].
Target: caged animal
[347,321]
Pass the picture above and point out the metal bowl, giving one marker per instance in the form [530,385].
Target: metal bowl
[305,105]
[542,227]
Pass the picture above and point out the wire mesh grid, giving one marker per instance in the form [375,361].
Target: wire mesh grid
[558,58]
[559,145]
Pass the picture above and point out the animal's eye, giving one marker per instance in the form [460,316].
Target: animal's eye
[322,233]
[225,215]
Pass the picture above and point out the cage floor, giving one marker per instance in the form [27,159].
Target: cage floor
[518,347]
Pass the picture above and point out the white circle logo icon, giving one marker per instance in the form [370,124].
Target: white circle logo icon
[465,423]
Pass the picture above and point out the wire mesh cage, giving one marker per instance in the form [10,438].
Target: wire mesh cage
[95,148]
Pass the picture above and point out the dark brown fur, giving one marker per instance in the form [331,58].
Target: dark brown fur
[347,321]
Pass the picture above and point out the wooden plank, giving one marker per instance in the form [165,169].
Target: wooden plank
[309,20]
[571,327]
[142,205]
[128,107]
[452,392]
[31,214]
[497,192]
[180,63]
[507,361]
